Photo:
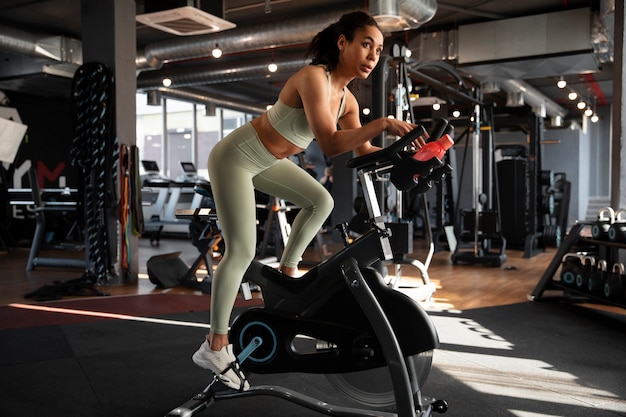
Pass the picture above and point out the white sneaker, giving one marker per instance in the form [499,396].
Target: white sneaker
[223,364]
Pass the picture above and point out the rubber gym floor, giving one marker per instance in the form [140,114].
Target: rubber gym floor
[518,359]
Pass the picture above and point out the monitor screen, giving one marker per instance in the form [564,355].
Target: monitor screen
[188,167]
[150,166]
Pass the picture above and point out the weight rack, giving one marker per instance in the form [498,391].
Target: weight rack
[606,254]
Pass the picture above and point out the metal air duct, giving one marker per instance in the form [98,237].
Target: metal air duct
[396,15]
[202,98]
[533,98]
[272,35]
[219,72]
[55,48]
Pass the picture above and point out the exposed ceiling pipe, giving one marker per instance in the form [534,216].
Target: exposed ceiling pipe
[296,31]
[19,42]
[56,48]
[199,97]
[532,97]
[471,11]
[219,72]
[412,13]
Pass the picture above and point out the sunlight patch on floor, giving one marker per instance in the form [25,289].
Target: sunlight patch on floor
[107,315]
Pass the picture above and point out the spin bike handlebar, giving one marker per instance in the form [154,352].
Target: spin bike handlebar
[406,172]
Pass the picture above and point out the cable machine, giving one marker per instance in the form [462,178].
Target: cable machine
[404,227]
[479,229]
[476,232]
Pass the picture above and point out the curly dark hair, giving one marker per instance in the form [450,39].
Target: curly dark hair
[324,48]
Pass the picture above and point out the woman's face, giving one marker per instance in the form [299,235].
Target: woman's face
[361,55]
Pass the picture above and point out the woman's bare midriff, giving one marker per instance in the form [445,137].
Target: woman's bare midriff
[273,141]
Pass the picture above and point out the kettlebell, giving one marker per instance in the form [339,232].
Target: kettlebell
[614,285]
[600,228]
[571,267]
[588,267]
[617,230]
[595,280]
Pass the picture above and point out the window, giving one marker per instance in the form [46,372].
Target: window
[187,133]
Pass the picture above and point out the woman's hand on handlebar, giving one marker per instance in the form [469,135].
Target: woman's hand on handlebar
[401,128]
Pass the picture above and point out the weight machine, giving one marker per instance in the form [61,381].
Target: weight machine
[479,230]
[473,241]
[403,227]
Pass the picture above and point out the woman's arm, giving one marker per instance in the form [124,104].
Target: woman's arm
[312,87]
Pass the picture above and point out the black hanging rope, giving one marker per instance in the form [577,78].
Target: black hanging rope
[95,152]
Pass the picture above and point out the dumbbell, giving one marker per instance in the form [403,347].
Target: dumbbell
[595,280]
[600,228]
[617,230]
[588,267]
[571,267]
[614,284]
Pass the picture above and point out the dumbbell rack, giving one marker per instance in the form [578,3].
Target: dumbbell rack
[577,241]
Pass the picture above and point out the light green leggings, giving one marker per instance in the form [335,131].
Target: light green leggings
[237,165]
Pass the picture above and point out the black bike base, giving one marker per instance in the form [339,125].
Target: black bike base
[207,397]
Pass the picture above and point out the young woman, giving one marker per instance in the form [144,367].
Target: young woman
[311,105]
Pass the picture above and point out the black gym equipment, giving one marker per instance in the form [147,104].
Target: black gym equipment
[600,228]
[95,152]
[617,230]
[355,324]
[597,278]
[479,229]
[591,268]
[534,202]
[571,269]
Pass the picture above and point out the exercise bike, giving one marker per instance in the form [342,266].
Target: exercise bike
[340,318]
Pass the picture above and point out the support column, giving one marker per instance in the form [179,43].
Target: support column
[109,37]
[379,109]
[618,150]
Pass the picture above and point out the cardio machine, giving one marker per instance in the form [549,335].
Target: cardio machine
[340,318]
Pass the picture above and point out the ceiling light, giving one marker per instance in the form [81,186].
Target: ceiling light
[167,81]
[581,105]
[436,106]
[456,113]
[572,95]
[272,67]
[216,52]
[561,83]
[594,118]
[588,112]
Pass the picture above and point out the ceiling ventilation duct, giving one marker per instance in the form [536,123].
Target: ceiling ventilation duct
[413,13]
[519,90]
[395,15]
[185,17]
[385,12]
